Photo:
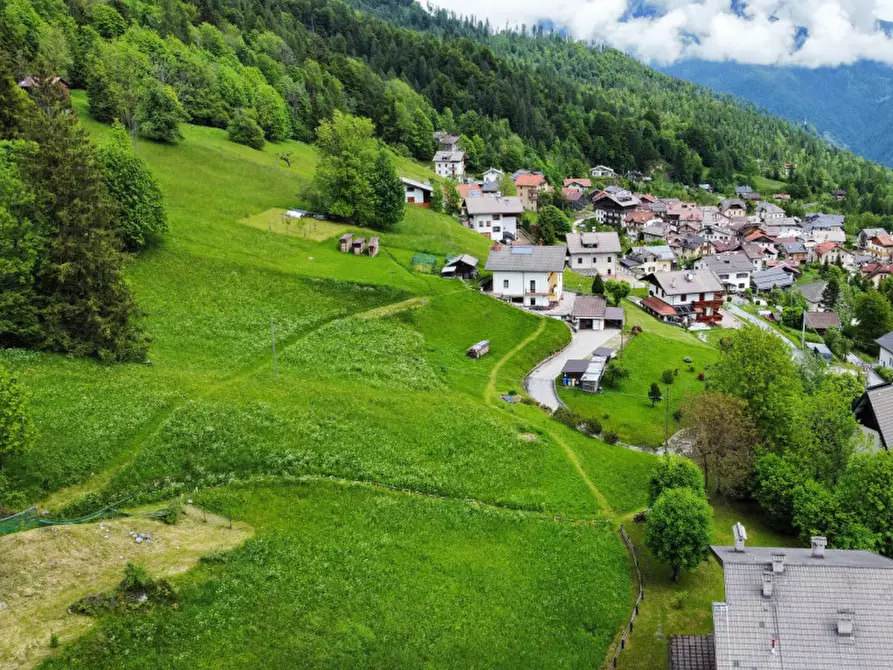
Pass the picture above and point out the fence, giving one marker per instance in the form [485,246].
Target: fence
[629,627]
[29,519]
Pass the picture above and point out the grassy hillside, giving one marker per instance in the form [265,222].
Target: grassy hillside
[371,393]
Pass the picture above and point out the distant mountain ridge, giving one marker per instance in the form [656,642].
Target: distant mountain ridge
[845,104]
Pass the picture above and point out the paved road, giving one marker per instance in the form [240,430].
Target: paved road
[541,382]
[759,323]
[873,377]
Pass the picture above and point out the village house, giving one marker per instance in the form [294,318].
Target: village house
[885,343]
[643,261]
[866,235]
[732,208]
[877,273]
[591,312]
[874,410]
[881,246]
[781,196]
[795,609]
[529,188]
[820,322]
[467,191]
[531,276]
[831,253]
[825,228]
[733,270]
[602,171]
[687,212]
[611,208]
[784,227]
[494,218]
[578,184]
[593,253]
[812,293]
[769,212]
[575,199]
[449,164]
[416,192]
[637,219]
[446,141]
[793,251]
[492,176]
[693,246]
[766,280]
[715,233]
[655,231]
[684,296]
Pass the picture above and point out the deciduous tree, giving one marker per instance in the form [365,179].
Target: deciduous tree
[159,114]
[16,425]
[674,472]
[679,528]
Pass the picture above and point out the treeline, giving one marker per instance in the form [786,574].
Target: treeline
[68,212]
[518,99]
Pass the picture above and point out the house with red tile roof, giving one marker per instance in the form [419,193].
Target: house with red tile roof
[529,188]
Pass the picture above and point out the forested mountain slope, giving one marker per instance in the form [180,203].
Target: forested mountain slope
[843,103]
[519,100]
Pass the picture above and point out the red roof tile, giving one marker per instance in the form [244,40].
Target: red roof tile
[585,182]
[530,180]
[655,304]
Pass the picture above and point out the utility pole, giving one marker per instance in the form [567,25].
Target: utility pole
[667,423]
[273,338]
[803,332]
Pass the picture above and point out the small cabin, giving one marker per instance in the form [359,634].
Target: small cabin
[482,348]
[346,241]
[359,246]
[372,249]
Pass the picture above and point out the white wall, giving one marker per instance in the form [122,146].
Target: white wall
[605,264]
[886,358]
[516,284]
[445,169]
[484,224]
[414,194]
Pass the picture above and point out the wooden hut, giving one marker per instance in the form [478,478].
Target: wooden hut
[346,242]
[359,246]
[480,349]
[372,249]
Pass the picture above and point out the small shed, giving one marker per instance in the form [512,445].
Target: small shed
[359,245]
[464,267]
[372,249]
[346,241]
[820,350]
[482,348]
[593,375]
[573,371]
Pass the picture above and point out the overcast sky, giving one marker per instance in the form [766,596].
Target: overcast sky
[795,32]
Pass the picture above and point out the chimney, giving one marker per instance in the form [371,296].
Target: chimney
[778,562]
[740,536]
[767,583]
[818,546]
[689,276]
[845,623]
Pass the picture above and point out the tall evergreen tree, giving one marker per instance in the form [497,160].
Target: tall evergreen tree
[831,293]
[390,198]
[85,305]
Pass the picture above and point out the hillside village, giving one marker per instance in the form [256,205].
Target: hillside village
[324,344]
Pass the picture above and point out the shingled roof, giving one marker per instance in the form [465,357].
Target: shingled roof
[593,243]
[816,612]
[589,307]
[527,259]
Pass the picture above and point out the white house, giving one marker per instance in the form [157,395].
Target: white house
[602,171]
[650,259]
[449,163]
[886,352]
[593,253]
[495,218]
[531,276]
[492,176]
[768,211]
[417,193]
[685,295]
[716,233]
[867,234]
[733,270]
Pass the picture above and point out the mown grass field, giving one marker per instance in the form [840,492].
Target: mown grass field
[627,410]
[370,385]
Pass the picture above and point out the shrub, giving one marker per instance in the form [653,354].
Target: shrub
[567,417]
[171,514]
[136,591]
[54,640]
[592,427]
[884,373]
[700,376]
[614,374]
[667,377]
[610,437]
[244,129]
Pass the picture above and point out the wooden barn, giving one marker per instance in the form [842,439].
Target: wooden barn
[372,249]
[359,246]
[346,242]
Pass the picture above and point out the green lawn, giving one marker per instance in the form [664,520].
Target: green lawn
[371,384]
[627,409]
[348,576]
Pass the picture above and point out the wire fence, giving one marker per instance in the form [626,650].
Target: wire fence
[629,627]
[29,519]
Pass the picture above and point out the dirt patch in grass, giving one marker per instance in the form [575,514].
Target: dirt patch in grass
[44,571]
[529,437]
[306,228]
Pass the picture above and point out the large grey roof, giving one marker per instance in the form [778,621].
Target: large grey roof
[813,291]
[803,611]
[823,221]
[660,251]
[593,243]
[489,205]
[731,202]
[769,279]
[687,281]
[527,259]
[886,341]
[449,156]
[721,263]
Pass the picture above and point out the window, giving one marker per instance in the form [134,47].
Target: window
[609,259]
[683,297]
[497,229]
[609,272]
[579,260]
[497,217]
[533,284]
[505,283]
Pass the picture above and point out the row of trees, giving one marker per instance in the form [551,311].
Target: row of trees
[67,212]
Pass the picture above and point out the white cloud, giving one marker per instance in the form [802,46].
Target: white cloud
[753,31]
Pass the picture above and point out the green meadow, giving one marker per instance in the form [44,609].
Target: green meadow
[404,513]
